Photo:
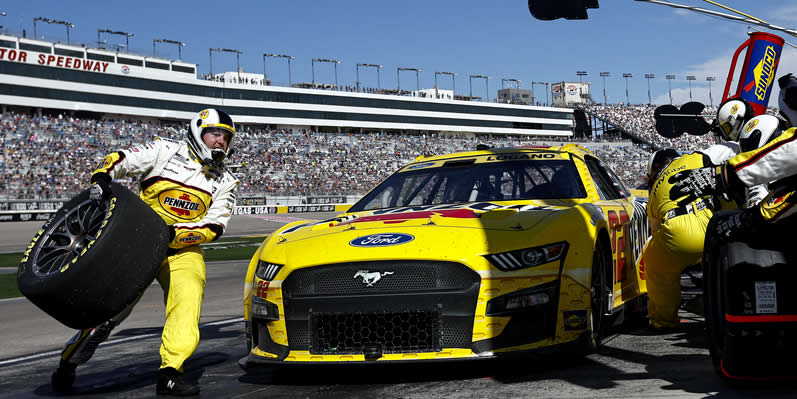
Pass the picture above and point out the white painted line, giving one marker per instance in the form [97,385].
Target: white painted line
[111,342]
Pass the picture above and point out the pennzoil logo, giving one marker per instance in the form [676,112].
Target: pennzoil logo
[750,125]
[182,204]
[777,197]
[764,73]
[203,114]
[734,108]
[190,237]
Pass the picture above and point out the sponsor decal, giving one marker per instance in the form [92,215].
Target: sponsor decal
[203,114]
[6,218]
[777,197]
[574,319]
[25,217]
[556,88]
[370,278]
[763,73]
[125,69]
[512,157]
[190,237]
[734,109]
[106,163]
[182,204]
[43,216]
[381,240]
[572,90]
[750,125]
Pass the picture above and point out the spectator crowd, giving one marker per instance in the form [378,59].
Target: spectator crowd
[53,156]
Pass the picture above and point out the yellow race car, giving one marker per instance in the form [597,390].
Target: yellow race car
[459,256]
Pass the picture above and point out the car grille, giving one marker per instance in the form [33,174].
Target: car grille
[422,307]
[406,276]
[398,332]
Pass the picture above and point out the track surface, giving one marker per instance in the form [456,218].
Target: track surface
[630,365]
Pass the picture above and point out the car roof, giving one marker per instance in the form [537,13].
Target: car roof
[570,148]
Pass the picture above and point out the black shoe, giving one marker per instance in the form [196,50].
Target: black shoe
[170,382]
[63,377]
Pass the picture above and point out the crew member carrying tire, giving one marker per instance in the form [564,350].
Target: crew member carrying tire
[679,227]
[186,183]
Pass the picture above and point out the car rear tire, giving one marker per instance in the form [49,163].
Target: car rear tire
[87,263]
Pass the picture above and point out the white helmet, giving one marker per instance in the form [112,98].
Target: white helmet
[759,131]
[206,119]
[731,115]
[787,99]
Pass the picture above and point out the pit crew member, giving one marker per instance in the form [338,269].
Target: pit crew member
[187,184]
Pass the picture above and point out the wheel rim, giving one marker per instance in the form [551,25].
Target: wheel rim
[67,237]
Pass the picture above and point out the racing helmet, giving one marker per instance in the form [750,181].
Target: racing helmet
[210,118]
[759,131]
[658,161]
[731,116]
[787,98]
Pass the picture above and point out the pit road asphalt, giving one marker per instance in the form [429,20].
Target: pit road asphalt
[631,364]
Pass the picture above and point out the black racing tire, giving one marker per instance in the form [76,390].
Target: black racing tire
[600,293]
[88,262]
[714,271]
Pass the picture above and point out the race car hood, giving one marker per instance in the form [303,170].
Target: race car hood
[442,232]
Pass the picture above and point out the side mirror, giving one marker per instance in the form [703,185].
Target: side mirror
[548,10]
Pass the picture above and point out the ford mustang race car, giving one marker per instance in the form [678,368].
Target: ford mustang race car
[465,255]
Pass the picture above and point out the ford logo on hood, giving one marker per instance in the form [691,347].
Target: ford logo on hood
[381,240]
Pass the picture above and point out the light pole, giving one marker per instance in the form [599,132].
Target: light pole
[417,78]
[378,79]
[604,75]
[690,78]
[627,98]
[478,77]
[333,62]
[179,44]
[710,79]
[453,84]
[127,35]
[669,83]
[227,50]
[50,21]
[517,83]
[287,57]
[649,76]
[546,84]
[580,74]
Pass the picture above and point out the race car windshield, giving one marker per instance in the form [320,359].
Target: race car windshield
[458,182]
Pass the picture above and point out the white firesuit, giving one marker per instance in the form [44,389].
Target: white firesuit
[197,201]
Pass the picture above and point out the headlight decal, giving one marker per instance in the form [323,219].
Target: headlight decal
[267,271]
[530,257]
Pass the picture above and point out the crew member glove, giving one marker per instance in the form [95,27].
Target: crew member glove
[100,189]
[692,184]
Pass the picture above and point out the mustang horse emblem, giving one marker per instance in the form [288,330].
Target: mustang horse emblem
[370,278]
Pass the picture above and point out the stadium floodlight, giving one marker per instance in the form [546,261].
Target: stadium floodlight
[710,79]
[690,78]
[453,84]
[179,44]
[626,76]
[649,76]
[378,78]
[50,21]
[486,78]
[333,62]
[287,57]
[580,74]
[669,83]
[127,35]
[417,78]
[227,50]
[604,75]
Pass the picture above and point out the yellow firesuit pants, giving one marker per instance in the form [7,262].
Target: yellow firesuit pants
[675,245]
[182,278]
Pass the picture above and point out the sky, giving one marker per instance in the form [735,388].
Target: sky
[497,38]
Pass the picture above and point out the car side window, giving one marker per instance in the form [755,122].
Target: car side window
[608,185]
